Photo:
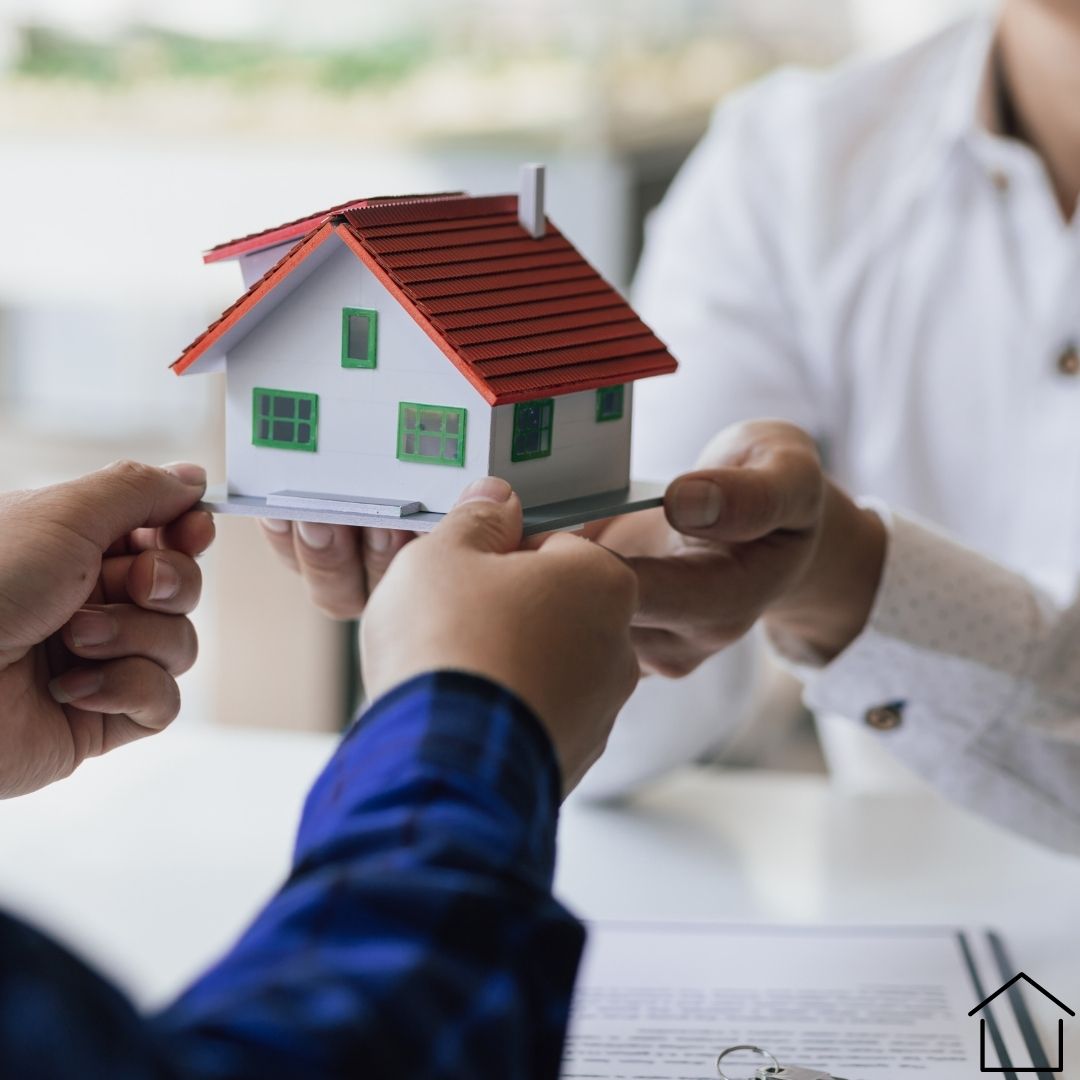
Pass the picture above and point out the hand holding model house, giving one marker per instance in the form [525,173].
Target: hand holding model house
[757,531]
[552,625]
[97,577]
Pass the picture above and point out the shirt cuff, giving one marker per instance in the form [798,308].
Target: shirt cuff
[455,743]
[947,642]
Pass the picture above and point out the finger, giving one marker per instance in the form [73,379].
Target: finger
[380,546]
[133,687]
[600,570]
[487,517]
[535,541]
[279,535]
[162,581]
[94,733]
[589,530]
[113,631]
[661,652]
[645,532]
[698,589]
[114,501]
[192,533]
[331,562]
[780,489]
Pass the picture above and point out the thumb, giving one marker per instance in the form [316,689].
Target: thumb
[740,503]
[106,505]
[487,517]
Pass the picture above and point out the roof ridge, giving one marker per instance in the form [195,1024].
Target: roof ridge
[315,219]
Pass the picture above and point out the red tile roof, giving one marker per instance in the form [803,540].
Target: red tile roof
[519,317]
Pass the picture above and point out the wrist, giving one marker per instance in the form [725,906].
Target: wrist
[823,613]
[459,739]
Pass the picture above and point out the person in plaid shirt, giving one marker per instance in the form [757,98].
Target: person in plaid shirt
[416,935]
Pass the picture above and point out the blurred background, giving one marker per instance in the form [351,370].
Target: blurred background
[136,133]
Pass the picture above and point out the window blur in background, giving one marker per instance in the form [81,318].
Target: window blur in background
[136,133]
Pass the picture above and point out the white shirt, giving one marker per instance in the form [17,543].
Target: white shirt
[857,252]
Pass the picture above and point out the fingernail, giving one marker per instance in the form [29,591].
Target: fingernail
[696,504]
[378,540]
[186,473]
[315,535]
[165,582]
[486,489]
[275,525]
[76,685]
[92,628]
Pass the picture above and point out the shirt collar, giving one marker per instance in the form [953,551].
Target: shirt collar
[970,109]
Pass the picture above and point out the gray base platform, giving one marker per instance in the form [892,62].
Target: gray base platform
[640,495]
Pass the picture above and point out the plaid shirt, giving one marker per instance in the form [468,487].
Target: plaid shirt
[415,937]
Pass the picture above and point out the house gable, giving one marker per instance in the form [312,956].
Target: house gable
[297,349]
[207,352]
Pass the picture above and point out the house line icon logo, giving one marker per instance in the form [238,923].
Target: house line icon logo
[983,1067]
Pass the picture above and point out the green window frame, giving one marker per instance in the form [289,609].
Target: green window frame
[610,401]
[533,422]
[431,434]
[352,335]
[285,419]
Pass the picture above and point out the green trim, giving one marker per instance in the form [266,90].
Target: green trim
[527,422]
[614,411]
[269,417]
[411,427]
[372,317]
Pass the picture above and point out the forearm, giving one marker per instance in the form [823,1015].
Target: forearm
[417,935]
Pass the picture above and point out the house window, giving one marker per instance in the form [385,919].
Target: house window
[432,434]
[532,429]
[359,337]
[287,419]
[609,403]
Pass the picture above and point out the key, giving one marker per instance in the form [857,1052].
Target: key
[794,1072]
[773,1070]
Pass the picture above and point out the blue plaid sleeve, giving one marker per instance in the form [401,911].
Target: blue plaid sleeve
[416,936]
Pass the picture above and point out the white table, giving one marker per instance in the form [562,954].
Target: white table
[151,860]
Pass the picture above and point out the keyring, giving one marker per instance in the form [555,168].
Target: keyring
[774,1067]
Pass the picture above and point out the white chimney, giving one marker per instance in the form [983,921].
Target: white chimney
[531,200]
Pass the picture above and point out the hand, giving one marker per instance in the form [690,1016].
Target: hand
[552,625]
[340,564]
[96,576]
[758,531]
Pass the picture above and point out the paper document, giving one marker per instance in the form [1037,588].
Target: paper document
[660,1001]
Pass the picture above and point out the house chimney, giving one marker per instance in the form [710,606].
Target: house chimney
[531,200]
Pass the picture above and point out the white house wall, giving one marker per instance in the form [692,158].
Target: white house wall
[298,347]
[586,456]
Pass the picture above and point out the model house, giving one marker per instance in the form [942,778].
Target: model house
[389,351]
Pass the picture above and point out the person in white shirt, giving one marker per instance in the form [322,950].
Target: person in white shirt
[871,255]
[961,668]
[888,256]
